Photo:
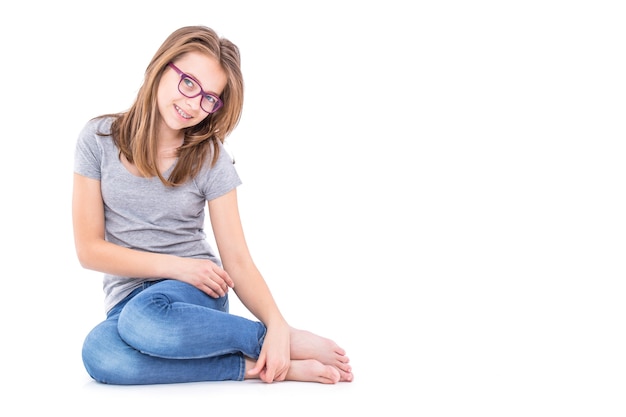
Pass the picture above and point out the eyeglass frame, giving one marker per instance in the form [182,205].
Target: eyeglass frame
[218,104]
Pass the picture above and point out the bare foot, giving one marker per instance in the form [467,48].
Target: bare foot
[307,345]
[310,370]
[306,370]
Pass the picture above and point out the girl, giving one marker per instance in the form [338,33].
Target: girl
[141,182]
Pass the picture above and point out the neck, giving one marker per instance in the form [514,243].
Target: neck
[167,146]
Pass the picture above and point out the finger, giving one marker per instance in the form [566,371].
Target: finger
[217,283]
[228,281]
[258,366]
[218,286]
[224,286]
[254,371]
[212,292]
[268,374]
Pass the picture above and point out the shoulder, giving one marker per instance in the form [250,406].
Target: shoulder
[94,132]
[224,159]
[217,179]
[97,126]
[93,146]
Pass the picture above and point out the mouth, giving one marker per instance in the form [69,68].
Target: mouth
[182,113]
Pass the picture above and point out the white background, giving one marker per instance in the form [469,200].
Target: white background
[438,186]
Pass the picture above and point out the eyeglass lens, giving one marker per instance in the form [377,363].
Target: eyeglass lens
[190,88]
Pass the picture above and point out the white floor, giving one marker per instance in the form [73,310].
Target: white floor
[44,375]
[447,352]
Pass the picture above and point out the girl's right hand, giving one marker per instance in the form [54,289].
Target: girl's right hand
[205,275]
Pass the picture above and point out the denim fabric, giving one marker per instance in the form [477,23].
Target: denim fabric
[171,332]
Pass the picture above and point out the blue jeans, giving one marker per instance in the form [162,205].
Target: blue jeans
[170,332]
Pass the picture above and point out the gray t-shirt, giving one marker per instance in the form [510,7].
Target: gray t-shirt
[143,213]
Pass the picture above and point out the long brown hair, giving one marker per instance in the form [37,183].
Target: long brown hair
[135,131]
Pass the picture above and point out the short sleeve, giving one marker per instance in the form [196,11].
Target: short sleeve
[88,152]
[219,179]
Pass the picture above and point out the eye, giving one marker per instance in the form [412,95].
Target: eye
[211,99]
[189,83]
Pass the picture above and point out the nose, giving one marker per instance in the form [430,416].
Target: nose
[194,102]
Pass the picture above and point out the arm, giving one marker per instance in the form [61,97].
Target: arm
[95,253]
[250,286]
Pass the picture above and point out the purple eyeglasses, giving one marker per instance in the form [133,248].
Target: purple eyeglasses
[190,88]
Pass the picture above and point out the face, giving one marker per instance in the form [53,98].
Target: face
[178,111]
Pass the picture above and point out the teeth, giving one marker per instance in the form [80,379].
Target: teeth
[182,113]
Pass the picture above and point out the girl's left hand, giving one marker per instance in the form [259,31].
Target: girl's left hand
[274,360]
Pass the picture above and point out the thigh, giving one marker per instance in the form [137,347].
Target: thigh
[172,291]
[174,320]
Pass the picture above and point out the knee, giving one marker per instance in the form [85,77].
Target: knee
[107,358]
[94,355]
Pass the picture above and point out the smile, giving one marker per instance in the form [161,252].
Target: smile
[181,112]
